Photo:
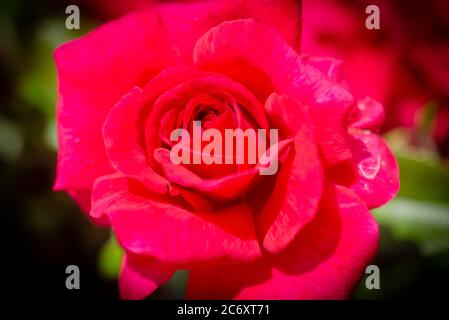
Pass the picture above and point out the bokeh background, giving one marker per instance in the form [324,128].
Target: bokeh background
[405,65]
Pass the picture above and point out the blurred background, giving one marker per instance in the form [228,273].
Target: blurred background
[405,65]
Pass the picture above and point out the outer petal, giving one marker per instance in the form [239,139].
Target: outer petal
[155,225]
[93,73]
[294,200]
[259,58]
[325,261]
[193,15]
[373,174]
[199,16]
[140,276]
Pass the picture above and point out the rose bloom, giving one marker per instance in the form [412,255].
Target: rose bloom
[303,233]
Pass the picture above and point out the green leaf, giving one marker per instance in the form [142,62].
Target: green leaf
[423,179]
[110,258]
[424,223]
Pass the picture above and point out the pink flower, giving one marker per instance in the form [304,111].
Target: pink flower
[304,233]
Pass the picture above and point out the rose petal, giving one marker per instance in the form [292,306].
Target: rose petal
[325,261]
[228,187]
[197,17]
[294,200]
[151,224]
[140,276]
[373,174]
[121,137]
[367,114]
[192,17]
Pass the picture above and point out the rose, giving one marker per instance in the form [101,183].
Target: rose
[406,59]
[303,233]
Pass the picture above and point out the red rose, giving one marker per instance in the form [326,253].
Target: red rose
[302,233]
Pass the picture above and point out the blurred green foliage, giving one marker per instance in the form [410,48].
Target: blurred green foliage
[109,258]
[424,223]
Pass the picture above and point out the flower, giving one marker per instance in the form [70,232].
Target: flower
[302,233]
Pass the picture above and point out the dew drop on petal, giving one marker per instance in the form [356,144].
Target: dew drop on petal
[369,168]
